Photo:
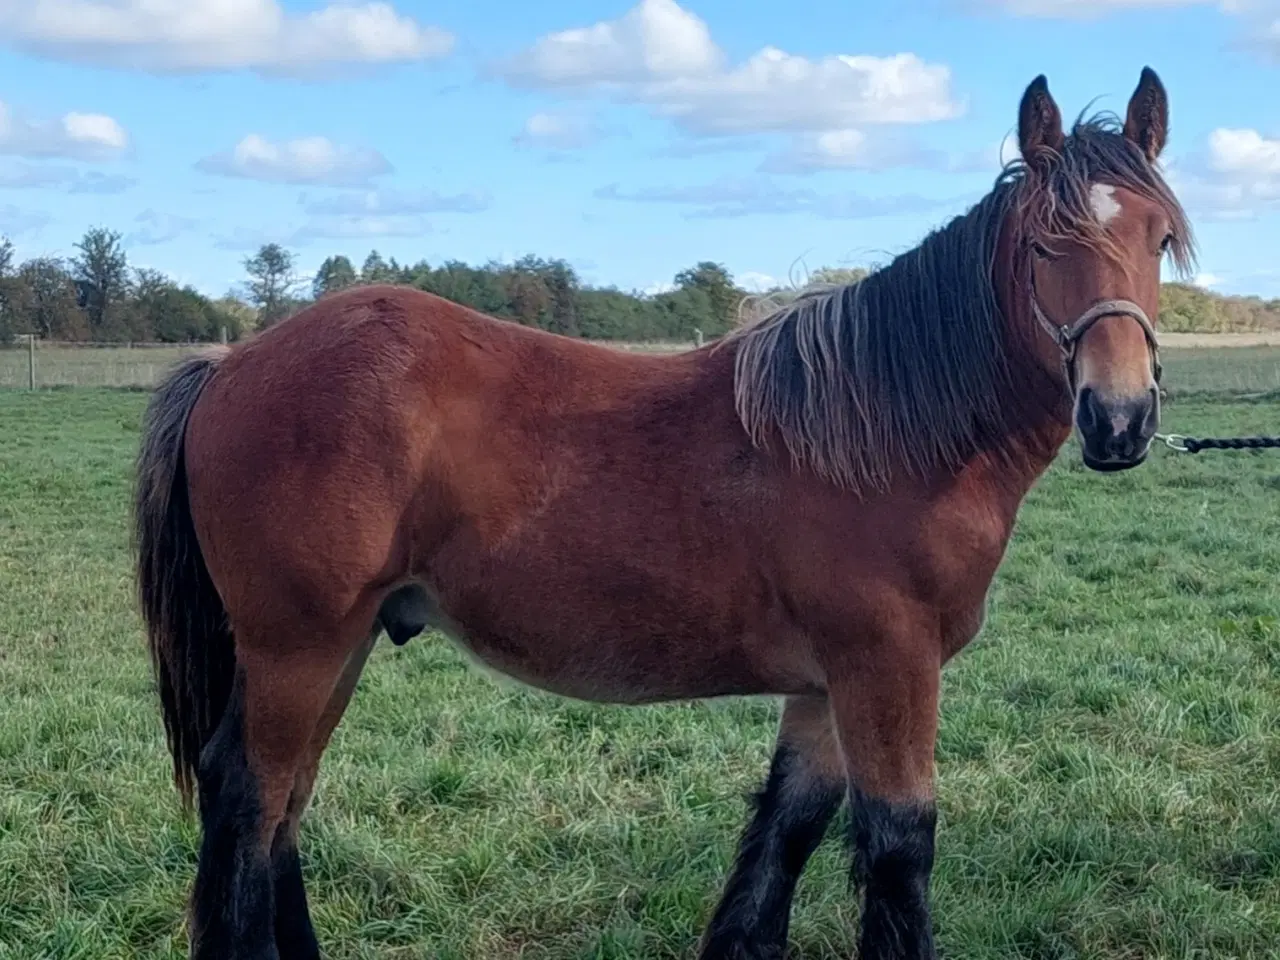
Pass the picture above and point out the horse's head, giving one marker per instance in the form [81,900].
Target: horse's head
[1095,221]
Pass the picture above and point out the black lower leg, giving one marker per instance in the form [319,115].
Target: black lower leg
[231,903]
[295,937]
[792,813]
[893,860]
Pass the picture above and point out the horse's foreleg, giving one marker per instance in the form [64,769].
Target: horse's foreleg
[885,707]
[805,787]
[247,774]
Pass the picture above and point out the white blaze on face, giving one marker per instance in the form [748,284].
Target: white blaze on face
[1102,197]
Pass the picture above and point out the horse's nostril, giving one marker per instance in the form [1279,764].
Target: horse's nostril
[1089,412]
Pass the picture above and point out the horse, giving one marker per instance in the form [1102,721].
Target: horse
[812,508]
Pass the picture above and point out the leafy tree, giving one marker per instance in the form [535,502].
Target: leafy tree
[377,270]
[8,319]
[101,272]
[476,287]
[44,298]
[527,295]
[417,275]
[173,314]
[236,316]
[722,295]
[561,285]
[271,283]
[686,309]
[838,275]
[335,273]
[610,314]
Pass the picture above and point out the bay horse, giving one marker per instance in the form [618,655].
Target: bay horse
[812,508]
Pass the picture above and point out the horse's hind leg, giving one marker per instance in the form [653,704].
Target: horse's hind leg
[295,937]
[805,787]
[284,682]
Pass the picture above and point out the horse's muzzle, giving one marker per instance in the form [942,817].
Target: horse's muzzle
[1116,434]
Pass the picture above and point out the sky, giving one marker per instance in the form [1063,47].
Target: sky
[632,138]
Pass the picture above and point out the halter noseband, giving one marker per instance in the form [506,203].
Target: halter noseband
[1068,335]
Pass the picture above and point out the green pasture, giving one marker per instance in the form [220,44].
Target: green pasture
[1109,755]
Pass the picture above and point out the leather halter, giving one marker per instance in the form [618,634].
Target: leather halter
[1068,335]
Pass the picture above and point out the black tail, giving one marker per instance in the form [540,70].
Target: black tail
[192,651]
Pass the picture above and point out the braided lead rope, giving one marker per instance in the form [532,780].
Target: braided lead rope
[1175,441]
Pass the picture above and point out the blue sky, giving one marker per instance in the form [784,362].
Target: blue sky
[632,138]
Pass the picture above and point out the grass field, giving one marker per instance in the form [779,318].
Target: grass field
[1109,755]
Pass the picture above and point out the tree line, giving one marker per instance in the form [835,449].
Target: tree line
[95,295]
[537,292]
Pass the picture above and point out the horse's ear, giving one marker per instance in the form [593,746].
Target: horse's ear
[1039,123]
[1147,122]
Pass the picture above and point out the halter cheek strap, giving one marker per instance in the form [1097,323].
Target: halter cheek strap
[1068,335]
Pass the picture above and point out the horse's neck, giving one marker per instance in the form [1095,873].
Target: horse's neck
[1023,456]
[1007,476]
[1041,388]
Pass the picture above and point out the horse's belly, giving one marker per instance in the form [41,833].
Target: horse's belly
[634,651]
[619,669]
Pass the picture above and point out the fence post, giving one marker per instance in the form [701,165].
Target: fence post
[222,335]
[31,361]
[697,337]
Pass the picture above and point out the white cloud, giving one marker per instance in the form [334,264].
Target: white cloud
[383,203]
[212,35]
[777,91]
[833,149]
[251,238]
[101,183]
[1207,280]
[77,136]
[26,175]
[360,227]
[338,227]
[755,282]
[990,159]
[58,177]
[740,198]
[1243,152]
[655,39]
[308,160]
[1082,9]
[850,150]
[662,57]
[559,131]
[155,228]
[45,176]
[1261,30]
[15,221]
[1237,178]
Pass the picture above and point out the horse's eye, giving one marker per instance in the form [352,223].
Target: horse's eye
[1040,250]
[1166,243]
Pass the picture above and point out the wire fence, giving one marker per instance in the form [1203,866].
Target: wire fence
[35,363]
[1194,362]
[32,364]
